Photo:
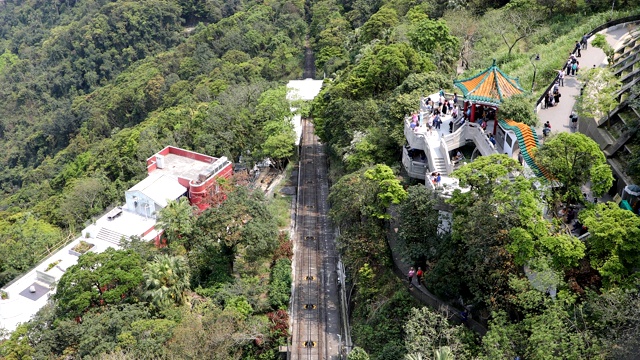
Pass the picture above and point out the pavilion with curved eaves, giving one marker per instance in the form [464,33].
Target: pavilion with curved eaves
[485,92]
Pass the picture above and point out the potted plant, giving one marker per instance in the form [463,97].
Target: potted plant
[81,248]
[51,265]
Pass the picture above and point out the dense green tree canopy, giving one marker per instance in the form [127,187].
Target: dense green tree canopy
[420,223]
[166,279]
[367,193]
[433,37]
[518,108]
[99,279]
[24,239]
[573,159]
[379,24]
[242,224]
[614,244]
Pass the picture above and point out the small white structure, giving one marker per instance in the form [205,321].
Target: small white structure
[305,90]
[152,194]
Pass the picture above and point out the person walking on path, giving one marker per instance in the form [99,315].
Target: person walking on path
[419,274]
[574,120]
[561,77]
[584,41]
[559,115]
[577,49]
[410,276]
[546,130]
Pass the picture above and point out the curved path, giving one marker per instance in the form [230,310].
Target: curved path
[558,116]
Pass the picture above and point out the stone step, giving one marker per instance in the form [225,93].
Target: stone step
[109,236]
[439,165]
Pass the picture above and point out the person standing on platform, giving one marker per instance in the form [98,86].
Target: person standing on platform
[556,96]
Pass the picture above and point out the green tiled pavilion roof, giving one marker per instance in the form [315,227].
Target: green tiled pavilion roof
[491,86]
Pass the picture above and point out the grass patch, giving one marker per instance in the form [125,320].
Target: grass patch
[553,42]
[280,204]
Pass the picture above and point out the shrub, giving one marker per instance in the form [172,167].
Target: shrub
[285,248]
[51,265]
[82,247]
[280,284]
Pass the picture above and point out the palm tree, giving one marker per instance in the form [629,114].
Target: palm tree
[177,221]
[414,356]
[443,353]
[166,280]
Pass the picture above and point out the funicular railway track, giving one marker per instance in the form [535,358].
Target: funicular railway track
[315,306]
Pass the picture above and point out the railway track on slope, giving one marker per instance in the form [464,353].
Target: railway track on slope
[315,307]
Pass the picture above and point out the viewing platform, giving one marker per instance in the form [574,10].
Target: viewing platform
[431,150]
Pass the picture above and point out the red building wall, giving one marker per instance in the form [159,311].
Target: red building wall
[199,195]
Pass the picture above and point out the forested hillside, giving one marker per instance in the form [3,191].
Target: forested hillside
[505,258]
[90,89]
[94,88]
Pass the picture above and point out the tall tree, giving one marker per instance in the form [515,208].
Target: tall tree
[358,353]
[486,220]
[367,193]
[98,279]
[378,24]
[614,244]
[279,143]
[573,160]
[433,38]
[518,108]
[513,25]
[241,226]
[419,224]
[177,220]
[166,280]
[382,69]
[464,25]
[426,332]
[598,99]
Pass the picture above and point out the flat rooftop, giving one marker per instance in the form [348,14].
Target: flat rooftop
[22,304]
[306,89]
[180,166]
[127,224]
[161,187]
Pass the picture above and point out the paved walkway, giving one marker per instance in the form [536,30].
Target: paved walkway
[418,291]
[558,116]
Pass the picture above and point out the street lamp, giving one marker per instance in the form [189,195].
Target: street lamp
[535,57]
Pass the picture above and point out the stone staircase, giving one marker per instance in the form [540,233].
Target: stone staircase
[110,236]
[440,165]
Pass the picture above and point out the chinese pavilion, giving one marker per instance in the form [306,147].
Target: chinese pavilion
[486,91]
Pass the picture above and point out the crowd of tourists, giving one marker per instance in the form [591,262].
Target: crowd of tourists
[434,111]
[572,67]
